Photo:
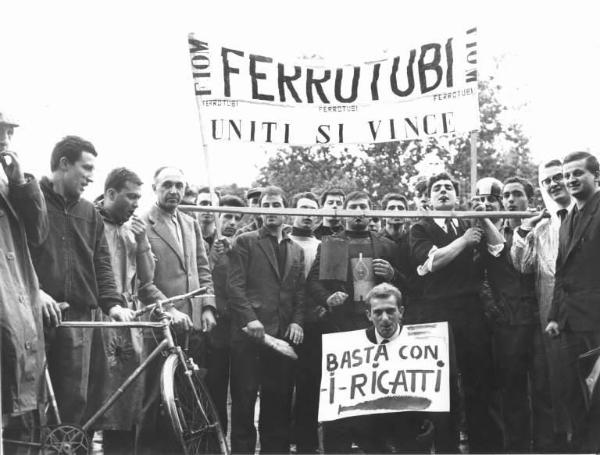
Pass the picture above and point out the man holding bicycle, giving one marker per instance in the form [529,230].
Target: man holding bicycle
[74,266]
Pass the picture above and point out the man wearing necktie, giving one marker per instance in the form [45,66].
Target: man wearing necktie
[575,310]
[181,266]
[534,250]
[446,255]
[402,432]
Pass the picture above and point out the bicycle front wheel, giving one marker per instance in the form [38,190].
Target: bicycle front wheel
[191,410]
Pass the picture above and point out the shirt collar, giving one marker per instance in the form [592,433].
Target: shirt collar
[165,214]
[396,334]
[441,222]
[266,233]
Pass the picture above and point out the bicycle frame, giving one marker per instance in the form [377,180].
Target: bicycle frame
[167,344]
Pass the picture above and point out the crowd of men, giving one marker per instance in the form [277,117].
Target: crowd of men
[521,297]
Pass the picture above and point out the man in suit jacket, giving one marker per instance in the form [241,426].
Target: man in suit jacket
[575,310]
[176,241]
[448,262]
[181,267]
[266,296]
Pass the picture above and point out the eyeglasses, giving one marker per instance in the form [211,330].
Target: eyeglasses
[556,178]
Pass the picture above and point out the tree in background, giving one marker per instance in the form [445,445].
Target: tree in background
[396,166]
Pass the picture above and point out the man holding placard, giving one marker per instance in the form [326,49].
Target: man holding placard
[348,265]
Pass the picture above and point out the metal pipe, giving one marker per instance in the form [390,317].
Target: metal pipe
[52,396]
[130,325]
[363,213]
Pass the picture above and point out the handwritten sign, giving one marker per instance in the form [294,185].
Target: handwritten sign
[410,373]
[429,88]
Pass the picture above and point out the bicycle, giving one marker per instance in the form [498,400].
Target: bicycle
[191,411]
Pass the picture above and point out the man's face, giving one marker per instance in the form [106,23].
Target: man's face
[169,187]
[443,195]
[491,202]
[305,221]
[204,200]
[374,224]
[6,132]
[121,205]
[385,315]
[272,202]
[395,204]
[553,183]
[359,222]
[333,201]
[514,197]
[78,175]
[581,183]
[230,223]
[421,200]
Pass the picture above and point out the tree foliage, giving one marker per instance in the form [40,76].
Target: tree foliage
[502,151]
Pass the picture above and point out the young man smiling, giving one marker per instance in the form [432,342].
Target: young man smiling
[74,266]
[575,311]
[534,250]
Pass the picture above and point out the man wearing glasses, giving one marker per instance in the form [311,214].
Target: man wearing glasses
[534,249]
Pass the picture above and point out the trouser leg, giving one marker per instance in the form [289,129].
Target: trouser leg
[275,402]
[244,387]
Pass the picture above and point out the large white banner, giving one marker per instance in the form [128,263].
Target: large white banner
[427,89]
[410,373]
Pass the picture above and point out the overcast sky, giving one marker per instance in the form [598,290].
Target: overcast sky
[118,72]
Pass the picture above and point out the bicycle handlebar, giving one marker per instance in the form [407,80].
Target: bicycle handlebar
[170,300]
[134,324]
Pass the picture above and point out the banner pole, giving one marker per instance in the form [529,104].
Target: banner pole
[473,144]
[207,166]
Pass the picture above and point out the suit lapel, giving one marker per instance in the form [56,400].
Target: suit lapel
[288,259]
[187,232]
[265,245]
[164,232]
[582,224]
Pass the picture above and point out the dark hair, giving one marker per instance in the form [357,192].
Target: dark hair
[332,192]
[273,191]
[357,195]
[393,197]
[421,188]
[528,187]
[306,195]
[552,163]
[191,190]
[591,162]
[383,291]
[230,200]
[206,189]
[71,147]
[437,178]
[117,178]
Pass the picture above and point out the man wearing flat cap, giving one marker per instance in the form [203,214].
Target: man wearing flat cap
[23,218]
